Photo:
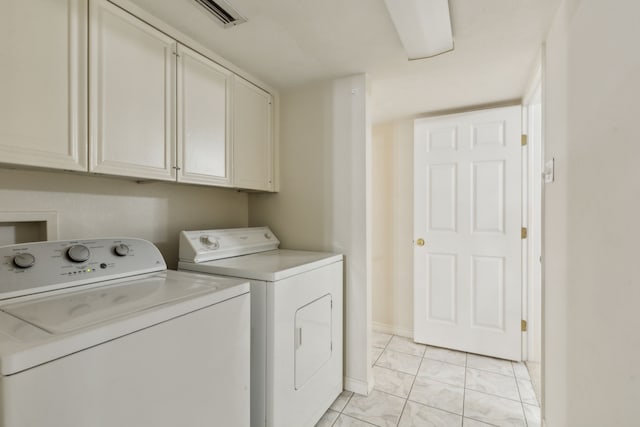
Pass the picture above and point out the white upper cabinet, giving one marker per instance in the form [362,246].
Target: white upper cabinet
[252,137]
[87,86]
[203,120]
[132,96]
[43,80]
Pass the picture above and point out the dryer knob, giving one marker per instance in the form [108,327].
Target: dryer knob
[210,243]
[24,260]
[78,253]
[121,249]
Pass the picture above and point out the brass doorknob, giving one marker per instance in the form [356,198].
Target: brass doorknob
[420,242]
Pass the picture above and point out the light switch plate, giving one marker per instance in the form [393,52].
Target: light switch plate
[549,170]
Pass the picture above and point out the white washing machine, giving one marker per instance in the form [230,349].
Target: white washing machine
[296,319]
[98,333]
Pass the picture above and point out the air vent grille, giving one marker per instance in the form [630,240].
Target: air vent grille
[224,12]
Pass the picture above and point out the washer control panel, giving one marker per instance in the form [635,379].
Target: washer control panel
[30,268]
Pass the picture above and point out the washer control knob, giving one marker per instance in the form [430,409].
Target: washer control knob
[121,249]
[24,260]
[78,253]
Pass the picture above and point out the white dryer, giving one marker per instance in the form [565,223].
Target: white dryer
[98,333]
[296,319]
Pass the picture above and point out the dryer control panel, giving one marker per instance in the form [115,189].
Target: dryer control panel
[208,245]
[31,268]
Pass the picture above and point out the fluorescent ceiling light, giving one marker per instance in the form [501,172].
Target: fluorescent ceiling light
[424,26]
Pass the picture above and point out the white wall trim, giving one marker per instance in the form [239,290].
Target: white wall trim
[392,329]
[357,386]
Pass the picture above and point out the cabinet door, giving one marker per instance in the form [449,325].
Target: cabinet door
[43,77]
[132,96]
[203,143]
[252,137]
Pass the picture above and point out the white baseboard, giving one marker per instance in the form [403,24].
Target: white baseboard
[358,386]
[392,329]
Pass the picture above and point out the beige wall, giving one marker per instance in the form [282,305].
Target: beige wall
[592,273]
[324,199]
[90,206]
[382,198]
[392,280]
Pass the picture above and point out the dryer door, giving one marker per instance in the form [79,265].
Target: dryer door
[312,338]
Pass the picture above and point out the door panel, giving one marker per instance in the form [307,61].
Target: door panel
[442,197]
[43,81]
[467,276]
[132,71]
[442,287]
[252,137]
[203,117]
[487,290]
[488,197]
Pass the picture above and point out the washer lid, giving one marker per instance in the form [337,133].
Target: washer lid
[39,329]
[69,312]
[270,266]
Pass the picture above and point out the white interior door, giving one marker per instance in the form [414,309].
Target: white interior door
[467,225]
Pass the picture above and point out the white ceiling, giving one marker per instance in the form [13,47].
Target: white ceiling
[287,43]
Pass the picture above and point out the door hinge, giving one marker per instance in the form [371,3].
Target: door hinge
[523,140]
[523,325]
[523,232]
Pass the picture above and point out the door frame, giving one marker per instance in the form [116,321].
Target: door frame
[532,158]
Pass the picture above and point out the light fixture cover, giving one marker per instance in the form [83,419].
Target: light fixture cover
[424,26]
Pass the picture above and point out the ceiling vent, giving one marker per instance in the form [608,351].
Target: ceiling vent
[224,12]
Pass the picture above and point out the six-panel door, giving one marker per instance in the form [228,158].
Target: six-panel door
[467,275]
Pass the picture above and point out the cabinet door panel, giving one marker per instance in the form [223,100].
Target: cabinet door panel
[43,77]
[203,143]
[132,96]
[252,137]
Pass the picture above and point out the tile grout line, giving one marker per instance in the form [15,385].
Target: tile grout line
[415,377]
[424,357]
[352,393]
[411,388]
[491,372]
[464,389]
[434,407]
[490,394]
[524,414]
[342,410]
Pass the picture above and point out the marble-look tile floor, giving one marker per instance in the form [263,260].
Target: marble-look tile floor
[422,386]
